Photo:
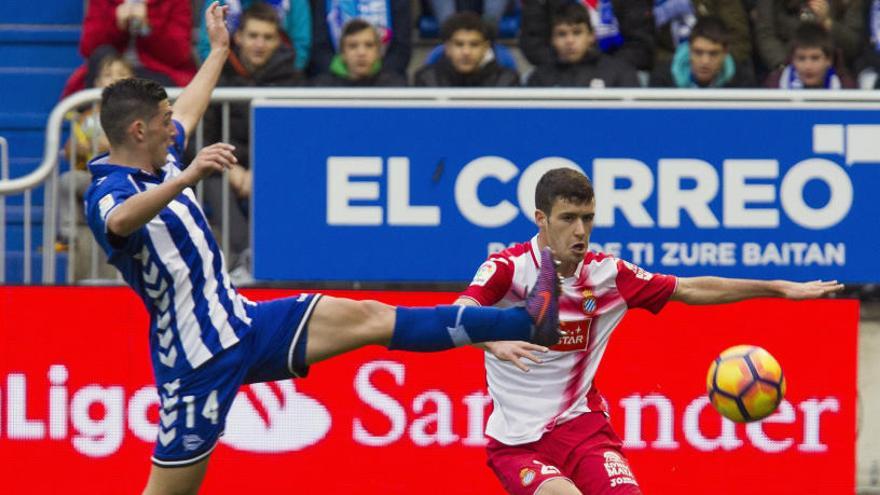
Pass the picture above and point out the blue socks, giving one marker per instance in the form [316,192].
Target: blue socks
[445,327]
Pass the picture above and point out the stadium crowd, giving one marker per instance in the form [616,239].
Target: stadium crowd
[565,43]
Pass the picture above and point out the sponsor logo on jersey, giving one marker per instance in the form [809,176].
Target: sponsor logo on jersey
[484,273]
[527,476]
[105,204]
[576,336]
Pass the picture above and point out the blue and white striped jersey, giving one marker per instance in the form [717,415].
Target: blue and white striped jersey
[174,264]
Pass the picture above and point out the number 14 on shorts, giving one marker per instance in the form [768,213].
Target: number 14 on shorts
[210,410]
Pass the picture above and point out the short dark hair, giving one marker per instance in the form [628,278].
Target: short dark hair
[355,26]
[261,12]
[711,28]
[812,35]
[128,100]
[466,21]
[562,183]
[571,13]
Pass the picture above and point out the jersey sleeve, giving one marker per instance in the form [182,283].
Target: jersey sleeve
[643,289]
[178,147]
[492,281]
[101,202]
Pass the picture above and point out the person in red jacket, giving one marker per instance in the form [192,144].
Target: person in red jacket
[158,33]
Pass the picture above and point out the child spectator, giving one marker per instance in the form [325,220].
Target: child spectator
[86,140]
[674,20]
[622,28]
[295,17]
[577,61]
[777,20]
[359,62]
[392,21]
[812,63]
[704,61]
[468,59]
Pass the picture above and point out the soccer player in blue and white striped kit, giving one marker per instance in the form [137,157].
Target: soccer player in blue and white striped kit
[206,339]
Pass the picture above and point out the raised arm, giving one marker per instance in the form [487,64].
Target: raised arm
[192,103]
[718,290]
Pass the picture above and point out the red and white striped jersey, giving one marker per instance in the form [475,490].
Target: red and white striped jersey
[592,303]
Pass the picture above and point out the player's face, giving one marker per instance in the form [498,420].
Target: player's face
[257,41]
[571,42]
[707,58]
[466,49]
[812,65]
[160,133]
[360,52]
[567,229]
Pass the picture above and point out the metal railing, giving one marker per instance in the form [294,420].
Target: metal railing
[47,171]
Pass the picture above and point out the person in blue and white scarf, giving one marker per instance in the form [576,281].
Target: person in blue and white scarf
[623,29]
[812,63]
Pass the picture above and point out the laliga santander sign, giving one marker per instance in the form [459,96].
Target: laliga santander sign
[87,411]
[273,418]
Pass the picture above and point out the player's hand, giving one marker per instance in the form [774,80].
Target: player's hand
[513,350]
[215,24]
[810,290]
[212,159]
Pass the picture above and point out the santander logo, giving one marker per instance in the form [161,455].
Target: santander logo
[274,417]
[97,419]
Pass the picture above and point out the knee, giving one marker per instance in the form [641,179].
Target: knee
[376,321]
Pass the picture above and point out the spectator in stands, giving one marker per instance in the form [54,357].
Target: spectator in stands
[777,20]
[705,61]
[623,28]
[492,10]
[868,63]
[391,18]
[674,20]
[578,63]
[155,36]
[296,26]
[359,62]
[468,59]
[812,63]
[258,58]
[86,140]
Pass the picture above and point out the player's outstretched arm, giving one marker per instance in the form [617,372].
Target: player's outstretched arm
[192,103]
[719,290]
[139,209]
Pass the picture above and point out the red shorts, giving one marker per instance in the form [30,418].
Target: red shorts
[585,451]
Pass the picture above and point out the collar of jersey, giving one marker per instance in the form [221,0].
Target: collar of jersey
[101,167]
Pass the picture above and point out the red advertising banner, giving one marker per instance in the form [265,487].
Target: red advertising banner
[78,409]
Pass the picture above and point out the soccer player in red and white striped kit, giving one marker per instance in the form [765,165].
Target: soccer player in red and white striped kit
[549,430]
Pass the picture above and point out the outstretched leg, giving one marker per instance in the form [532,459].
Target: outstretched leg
[340,325]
